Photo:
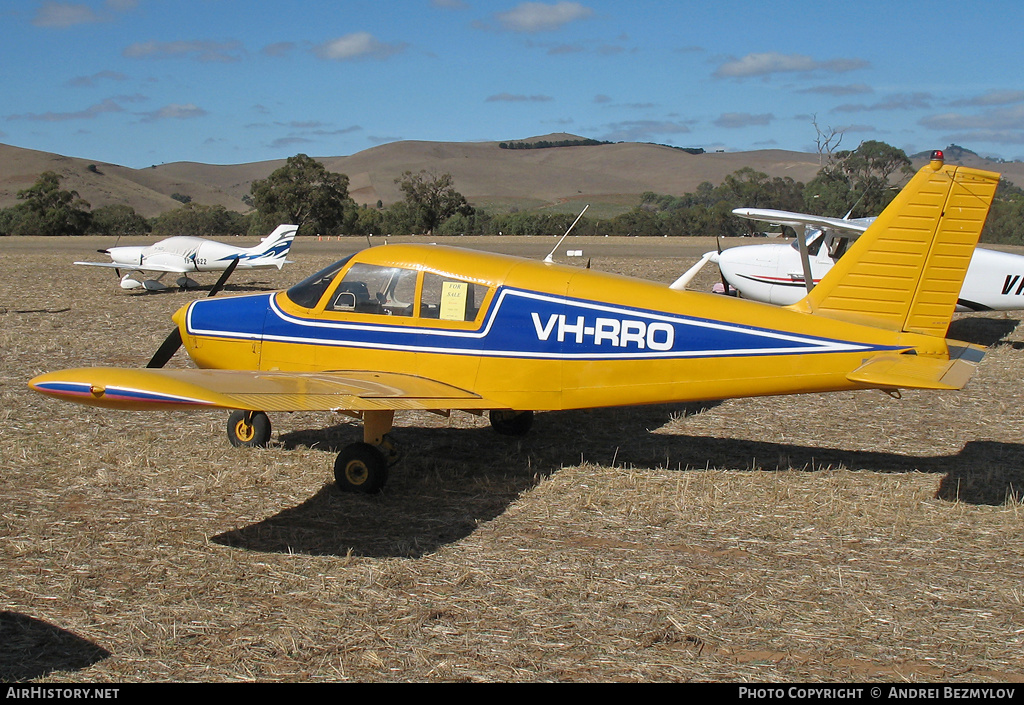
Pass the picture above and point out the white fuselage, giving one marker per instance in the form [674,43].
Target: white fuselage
[773,273]
[187,254]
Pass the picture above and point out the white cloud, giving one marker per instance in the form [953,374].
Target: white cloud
[1003,119]
[516,98]
[992,98]
[643,130]
[203,50]
[539,17]
[767,63]
[736,120]
[107,106]
[898,101]
[90,81]
[356,46]
[834,90]
[174,111]
[63,14]
[278,49]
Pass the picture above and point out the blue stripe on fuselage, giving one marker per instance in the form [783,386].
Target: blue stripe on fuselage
[520,324]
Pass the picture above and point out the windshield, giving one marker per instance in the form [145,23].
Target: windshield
[814,240]
[308,291]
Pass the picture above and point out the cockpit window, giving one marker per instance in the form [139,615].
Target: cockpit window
[308,291]
[449,299]
[370,288]
[813,245]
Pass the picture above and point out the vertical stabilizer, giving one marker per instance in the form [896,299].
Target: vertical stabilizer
[273,249]
[905,272]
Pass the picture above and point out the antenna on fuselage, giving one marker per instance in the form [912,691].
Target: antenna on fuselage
[550,257]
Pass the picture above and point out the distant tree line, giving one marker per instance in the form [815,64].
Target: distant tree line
[548,144]
[858,183]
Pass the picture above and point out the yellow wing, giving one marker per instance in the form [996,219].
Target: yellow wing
[349,390]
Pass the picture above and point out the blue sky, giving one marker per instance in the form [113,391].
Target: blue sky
[140,82]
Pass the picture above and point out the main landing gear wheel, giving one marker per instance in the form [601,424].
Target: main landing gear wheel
[248,429]
[360,467]
[511,423]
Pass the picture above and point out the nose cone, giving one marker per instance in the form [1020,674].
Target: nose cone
[129,256]
[179,317]
[732,262]
[224,333]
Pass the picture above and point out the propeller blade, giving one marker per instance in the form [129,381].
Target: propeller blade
[224,278]
[173,341]
[166,350]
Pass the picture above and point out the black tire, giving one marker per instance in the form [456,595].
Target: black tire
[248,429]
[511,423]
[360,468]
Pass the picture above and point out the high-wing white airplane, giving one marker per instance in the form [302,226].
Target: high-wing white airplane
[774,273]
[184,255]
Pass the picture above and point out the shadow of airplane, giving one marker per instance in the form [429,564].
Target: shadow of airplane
[458,478]
[31,648]
[989,332]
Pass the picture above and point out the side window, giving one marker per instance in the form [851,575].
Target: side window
[837,247]
[369,288]
[448,299]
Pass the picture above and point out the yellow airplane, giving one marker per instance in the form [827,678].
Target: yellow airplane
[402,327]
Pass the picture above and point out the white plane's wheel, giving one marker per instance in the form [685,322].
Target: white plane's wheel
[511,423]
[248,429]
[360,467]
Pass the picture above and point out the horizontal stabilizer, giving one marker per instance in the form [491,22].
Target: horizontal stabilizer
[918,372]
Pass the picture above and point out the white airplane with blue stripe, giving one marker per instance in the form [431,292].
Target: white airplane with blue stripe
[185,255]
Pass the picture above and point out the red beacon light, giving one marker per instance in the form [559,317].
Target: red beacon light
[937,159]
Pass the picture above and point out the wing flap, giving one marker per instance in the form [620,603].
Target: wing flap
[355,390]
[916,372]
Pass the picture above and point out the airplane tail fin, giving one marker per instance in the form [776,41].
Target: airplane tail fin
[273,249]
[905,272]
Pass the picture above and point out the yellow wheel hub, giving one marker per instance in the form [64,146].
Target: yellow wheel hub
[356,472]
[245,431]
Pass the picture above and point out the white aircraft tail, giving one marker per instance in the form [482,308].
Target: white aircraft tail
[273,249]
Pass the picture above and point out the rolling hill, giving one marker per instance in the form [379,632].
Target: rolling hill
[610,175]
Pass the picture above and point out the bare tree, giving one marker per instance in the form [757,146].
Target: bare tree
[828,140]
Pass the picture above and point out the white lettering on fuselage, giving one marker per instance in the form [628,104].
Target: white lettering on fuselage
[619,333]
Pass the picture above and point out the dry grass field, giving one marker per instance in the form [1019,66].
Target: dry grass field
[847,537]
